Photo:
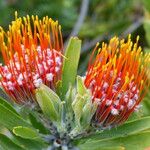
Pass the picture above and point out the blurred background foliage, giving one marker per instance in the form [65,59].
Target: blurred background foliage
[98,21]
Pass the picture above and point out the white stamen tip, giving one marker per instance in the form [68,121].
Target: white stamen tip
[114,111]
[108,102]
[38,82]
[58,60]
[57,69]
[49,76]
[131,103]
[8,76]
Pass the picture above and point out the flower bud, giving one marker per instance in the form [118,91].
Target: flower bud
[83,107]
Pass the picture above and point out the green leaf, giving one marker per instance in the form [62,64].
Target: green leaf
[138,141]
[77,106]
[9,119]
[8,105]
[8,144]
[29,144]
[128,128]
[37,124]
[110,148]
[58,87]
[69,97]
[87,113]
[81,89]
[49,102]
[70,64]
[26,133]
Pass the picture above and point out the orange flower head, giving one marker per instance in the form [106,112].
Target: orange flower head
[118,80]
[32,53]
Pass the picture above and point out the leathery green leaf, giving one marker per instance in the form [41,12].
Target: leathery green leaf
[112,148]
[140,141]
[49,102]
[81,89]
[70,64]
[37,124]
[26,133]
[7,143]
[7,105]
[128,128]
[9,119]
[29,144]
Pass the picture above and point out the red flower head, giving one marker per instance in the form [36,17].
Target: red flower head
[32,53]
[117,79]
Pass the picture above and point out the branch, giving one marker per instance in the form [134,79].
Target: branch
[132,27]
[88,45]
[80,20]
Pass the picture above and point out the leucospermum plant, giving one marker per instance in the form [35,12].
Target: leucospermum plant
[51,108]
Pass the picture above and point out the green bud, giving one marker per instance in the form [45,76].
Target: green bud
[83,107]
[58,87]
[81,89]
[70,96]
[88,111]
[77,106]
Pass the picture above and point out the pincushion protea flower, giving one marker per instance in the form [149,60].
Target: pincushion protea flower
[32,53]
[118,80]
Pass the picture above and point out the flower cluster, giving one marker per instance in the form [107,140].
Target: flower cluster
[32,52]
[118,80]
[114,85]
